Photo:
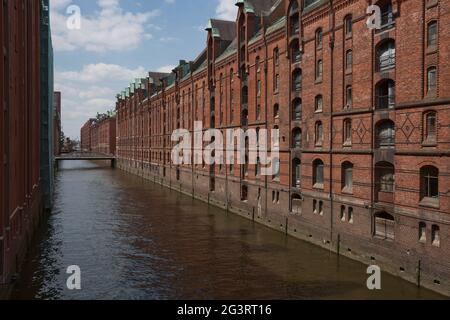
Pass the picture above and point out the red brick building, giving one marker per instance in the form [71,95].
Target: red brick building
[85,135]
[364,126]
[99,135]
[103,136]
[23,147]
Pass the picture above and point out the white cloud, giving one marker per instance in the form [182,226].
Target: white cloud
[90,90]
[227,10]
[108,29]
[166,69]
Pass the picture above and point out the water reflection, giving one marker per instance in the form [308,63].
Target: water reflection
[136,240]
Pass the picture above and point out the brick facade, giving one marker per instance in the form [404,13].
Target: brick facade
[21,144]
[364,126]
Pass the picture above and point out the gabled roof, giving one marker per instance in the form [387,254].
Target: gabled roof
[225,30]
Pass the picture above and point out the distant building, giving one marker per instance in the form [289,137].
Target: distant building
[99,135]
[86,135]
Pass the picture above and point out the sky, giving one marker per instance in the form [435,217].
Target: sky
[118,41]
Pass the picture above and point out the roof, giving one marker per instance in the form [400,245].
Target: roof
[225,30]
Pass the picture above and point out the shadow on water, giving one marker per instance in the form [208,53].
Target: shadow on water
[136,240]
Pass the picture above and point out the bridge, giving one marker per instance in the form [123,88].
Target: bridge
[85,156]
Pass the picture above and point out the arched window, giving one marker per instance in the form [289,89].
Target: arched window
[319,133]
[296,204]
[257,64]
[245,95]
[385,94]
[276,169]
[276,111]
[429,126]
[319,70]
[431,80]
[318,174]
[294,18]
[347,131]
[384,226]
[295,52]
[297,109]
[244,118]
[429,183]
[296,173]
[385,55]
[348,97]
[297,79]
[422,232]
[318,103]
[385,131]
[385,177]
[432,34]
[348,60]
[435,236]
[342,214]
[276,57]
[319,38]
[244,193]
[348,25]
[296,138]
[347,177]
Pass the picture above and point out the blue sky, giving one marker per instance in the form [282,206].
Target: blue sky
[120,40]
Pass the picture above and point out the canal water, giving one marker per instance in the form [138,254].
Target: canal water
[133,239]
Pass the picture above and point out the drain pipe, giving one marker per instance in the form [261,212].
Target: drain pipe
[332,39]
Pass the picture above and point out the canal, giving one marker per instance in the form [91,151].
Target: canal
[133,239]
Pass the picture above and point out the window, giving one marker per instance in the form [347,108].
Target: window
[431,80]
[294,18]
[295,52]
[348,25]
[276,169]
[432,34]
[276,111]
[318,176]
[258,112]
[296,204]
[257,64]
[349,97]
[321,208]
[385,94]
[349,60]
[347,177]
[387,15]
[350,215]
[244,95]
[296,138]
[296,173]
[319,133]
[429,183]
[385,134]
[385,177]
[319,38]
[386,55]
[342,214]
[422,232]
[347,131]
[244,118]
[244,193]
[315,206]
[276,57]
[319,70]
[318,103]
[297,109]
[384,226]
[435,236]
[258,88]
[430,127]
[297,80]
